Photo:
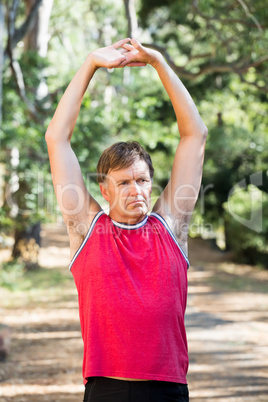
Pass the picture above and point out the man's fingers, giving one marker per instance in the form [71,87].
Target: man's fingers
[121,42]
[128,46]
[135,43]
[124,63]
[116,62]
[122,50]
[132,64]
[137,64]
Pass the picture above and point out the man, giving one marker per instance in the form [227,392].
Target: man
[130,267]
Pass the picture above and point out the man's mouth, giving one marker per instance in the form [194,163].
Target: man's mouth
[136,202]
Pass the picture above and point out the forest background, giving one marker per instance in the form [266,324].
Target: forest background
[217,48]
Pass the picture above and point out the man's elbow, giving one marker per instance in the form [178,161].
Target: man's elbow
[49,134]
[200,133]
[51,139]
[204,132]
[55,136]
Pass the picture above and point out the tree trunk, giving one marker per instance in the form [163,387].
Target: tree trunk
[38,37]
[131,15]
[2,21]
[27,245]
[27,239]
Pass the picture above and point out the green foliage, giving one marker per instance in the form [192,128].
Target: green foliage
[15,278]
[26,172]
[237,142]
[10,274]
[246,223]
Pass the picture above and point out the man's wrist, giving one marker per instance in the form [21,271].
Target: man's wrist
[157,61]
[90,60]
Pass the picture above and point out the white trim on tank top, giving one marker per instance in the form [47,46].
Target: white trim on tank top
[127,226]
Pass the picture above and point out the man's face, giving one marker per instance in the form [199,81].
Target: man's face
[128,192]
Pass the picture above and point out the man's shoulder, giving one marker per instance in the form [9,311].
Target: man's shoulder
[171,225]
[78,230]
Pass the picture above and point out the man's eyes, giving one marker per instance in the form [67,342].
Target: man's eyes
[123,183]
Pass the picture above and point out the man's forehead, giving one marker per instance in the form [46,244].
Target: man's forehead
[137,168]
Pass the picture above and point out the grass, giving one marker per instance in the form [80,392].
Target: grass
[14,277]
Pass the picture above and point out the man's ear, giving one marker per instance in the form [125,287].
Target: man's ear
[104,191]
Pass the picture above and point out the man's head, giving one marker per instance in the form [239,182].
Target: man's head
[121,155]
[125,173]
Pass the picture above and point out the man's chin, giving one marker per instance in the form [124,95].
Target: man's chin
[136,210]
[139,206]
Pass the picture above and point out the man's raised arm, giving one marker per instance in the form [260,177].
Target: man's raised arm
[177,201]
[76,204]
[179,197]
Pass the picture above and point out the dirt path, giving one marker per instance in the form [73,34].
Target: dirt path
[227,326]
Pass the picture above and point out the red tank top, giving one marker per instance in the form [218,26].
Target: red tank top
[132,291]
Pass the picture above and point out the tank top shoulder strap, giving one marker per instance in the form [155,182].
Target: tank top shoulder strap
[168,229]
[93,224]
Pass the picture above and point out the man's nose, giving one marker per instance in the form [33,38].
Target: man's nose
[135,188]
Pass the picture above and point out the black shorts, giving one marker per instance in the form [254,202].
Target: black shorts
[102,389]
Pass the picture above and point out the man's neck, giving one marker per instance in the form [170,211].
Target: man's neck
[127,220]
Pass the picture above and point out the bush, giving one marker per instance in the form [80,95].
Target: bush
[246,225]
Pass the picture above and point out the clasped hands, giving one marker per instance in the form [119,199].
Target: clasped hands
[122,53]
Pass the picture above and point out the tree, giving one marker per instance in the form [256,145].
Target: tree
[198,38]
[18,196]
[1,56]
